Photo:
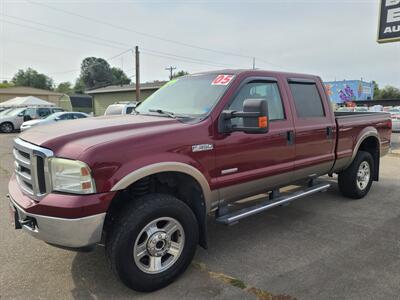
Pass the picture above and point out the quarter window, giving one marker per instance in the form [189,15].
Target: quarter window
[307,100]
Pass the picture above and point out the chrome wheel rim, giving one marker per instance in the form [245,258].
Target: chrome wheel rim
[363,175]
[159,245]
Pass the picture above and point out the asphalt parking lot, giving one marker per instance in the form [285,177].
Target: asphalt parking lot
[321,247]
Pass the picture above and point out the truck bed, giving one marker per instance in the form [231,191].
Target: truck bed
[351,126]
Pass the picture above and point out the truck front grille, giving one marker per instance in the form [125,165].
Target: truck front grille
[31,168]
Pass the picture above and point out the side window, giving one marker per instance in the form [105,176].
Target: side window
[129,110]
[57,110]
[256,90]
[43,112]
[65,117]
[31,112]
[78,116]
[307,100]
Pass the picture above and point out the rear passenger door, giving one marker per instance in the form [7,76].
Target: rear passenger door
[314,128]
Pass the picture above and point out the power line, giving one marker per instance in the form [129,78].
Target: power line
[112,42]
[59,33]
[93,40]
[91,19]
[187,57]
[87,18]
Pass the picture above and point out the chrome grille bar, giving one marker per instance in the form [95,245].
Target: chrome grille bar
[26,170]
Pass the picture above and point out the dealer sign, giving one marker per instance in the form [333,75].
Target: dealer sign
[389,21]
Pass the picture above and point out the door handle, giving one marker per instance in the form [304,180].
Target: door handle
[329,132]
[290,137]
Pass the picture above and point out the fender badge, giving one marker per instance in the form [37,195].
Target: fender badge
[202,147]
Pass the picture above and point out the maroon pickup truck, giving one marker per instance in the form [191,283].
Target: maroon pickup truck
[144,184]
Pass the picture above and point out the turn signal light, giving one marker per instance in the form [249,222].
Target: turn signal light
[262,122]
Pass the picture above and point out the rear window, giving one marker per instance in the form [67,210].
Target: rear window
[114,110]
[307,100]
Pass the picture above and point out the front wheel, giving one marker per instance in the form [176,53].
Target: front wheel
[153,242]
[355,182]
[6,127]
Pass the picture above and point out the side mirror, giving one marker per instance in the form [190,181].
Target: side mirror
[57,119]
[27,118]
[254,114]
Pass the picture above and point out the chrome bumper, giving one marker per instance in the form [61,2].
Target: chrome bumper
[74,233]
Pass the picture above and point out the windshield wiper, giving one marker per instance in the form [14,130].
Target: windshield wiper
[163,112]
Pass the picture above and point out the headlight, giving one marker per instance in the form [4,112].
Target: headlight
[71,176]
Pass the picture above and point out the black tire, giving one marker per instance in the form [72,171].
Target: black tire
[348,178]
[6,127]
[121,240]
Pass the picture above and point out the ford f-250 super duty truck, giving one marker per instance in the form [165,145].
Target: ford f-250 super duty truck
[143,184]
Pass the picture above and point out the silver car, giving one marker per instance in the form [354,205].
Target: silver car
[13,118]
[56,117]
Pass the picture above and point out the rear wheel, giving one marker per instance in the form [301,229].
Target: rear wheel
[6,127]
[153,242]
[355,182]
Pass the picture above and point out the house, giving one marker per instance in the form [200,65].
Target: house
[103,97]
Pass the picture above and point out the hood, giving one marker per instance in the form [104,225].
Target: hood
[7,118]
[79,135]
[31,122]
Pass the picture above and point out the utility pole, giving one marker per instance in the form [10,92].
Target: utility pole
[254,63]
[137,72]
[170,69]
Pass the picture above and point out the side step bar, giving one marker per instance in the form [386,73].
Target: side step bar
[235,216]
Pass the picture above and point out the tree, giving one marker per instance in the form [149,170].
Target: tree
[95,72]
[119,77]
[5,84]
[65,88]
[79,87]
[32,78]
[389,92]
[376,89]
[179,74]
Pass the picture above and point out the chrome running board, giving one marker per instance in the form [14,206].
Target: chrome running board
[235,216]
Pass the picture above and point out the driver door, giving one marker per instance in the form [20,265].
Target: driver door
[249,164]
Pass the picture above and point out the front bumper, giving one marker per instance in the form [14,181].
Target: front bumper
[72,221]
[73,233]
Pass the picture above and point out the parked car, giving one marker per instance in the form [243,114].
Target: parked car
[345,109]
[395,115]
[361,109]
[56,117]
[144,184]
[13,119]
[120,108]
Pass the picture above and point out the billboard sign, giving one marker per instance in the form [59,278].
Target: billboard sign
[349,90]
[389,21]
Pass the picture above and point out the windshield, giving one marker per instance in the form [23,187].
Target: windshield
[53,116]
[190,95]
[114,110]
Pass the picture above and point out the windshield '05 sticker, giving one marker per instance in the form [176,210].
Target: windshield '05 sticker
[222,80]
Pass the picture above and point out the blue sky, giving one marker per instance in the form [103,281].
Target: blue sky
[334,39]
